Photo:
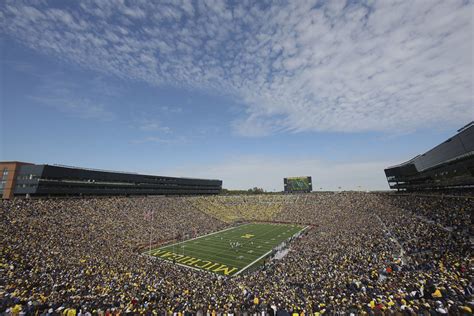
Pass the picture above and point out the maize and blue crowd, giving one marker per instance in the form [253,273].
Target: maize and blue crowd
[366,254]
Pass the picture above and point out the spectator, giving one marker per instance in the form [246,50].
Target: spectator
[369,254]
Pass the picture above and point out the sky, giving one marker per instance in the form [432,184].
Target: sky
[248,92]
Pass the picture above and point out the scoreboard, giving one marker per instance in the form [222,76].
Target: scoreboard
[297,184]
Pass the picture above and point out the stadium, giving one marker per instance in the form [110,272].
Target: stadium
[236,158]
[81,247]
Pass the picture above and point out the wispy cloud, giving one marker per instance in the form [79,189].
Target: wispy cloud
[296,65]
[171,109]
[66,97]
[158,140]
[76,106]
[152,125]
[268,172]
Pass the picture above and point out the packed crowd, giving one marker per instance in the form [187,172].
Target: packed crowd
[245,207]
[367,254]
[452,213]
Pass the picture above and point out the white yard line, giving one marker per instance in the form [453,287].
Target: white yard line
[253,262]
[148,253]
[202,236]
[264,255]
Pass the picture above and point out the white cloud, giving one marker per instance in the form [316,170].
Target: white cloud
[158,140]
[268,173]
[152,125]
[86,100]
[296,66]
[171,109]
[77,107]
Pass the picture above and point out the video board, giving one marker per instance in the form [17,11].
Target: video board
[298,184]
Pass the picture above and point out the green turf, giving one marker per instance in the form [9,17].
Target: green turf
[213,252]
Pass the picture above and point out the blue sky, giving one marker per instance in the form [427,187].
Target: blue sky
[246,92]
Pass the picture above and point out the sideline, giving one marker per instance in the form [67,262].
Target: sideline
[148,252]
[202,236]
[267,253]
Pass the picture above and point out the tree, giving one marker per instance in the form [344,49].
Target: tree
[256,190]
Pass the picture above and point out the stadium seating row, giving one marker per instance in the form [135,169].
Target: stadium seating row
[368,254]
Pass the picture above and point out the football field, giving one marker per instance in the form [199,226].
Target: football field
[229,251]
